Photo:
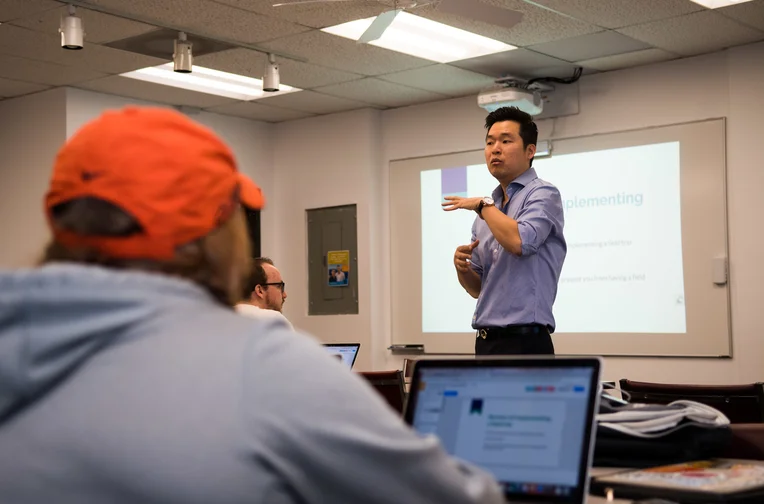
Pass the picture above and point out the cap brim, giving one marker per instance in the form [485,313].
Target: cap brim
[250,193]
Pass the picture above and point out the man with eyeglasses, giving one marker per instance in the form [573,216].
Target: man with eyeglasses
[264,292]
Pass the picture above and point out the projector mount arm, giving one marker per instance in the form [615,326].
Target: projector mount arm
[510,81]
[538,83]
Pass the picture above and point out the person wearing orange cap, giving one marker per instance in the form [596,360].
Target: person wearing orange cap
[126,375]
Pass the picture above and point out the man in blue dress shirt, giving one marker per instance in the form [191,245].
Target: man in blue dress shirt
[513,263]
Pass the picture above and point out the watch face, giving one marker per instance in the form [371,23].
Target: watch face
[488,201]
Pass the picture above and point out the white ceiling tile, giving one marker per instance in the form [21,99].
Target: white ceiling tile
[208,18]
[337,67]
[10,88]
[627,60]
[332,51]
[293,73]
[518,63]
[748,13]
[316,15]
[99,28]
[382,93]
[42,72]
[697,33]
[259,112]
[593,45]
[14,9]
[443,79]
[619,13]
[538,25]
[312,102]
[25,43]
[131,88]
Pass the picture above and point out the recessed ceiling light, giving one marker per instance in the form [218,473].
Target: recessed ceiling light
[424,38]
[715,4]
[207,80]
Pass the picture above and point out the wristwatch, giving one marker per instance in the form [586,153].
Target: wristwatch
[487,201]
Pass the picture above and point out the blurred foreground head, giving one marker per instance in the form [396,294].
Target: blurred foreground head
[151,190]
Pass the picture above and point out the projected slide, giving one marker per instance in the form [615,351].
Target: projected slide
[623,272]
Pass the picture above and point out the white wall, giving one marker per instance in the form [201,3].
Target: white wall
[311,152]
[251,142]
[745,181]
[323,162]
[32,128]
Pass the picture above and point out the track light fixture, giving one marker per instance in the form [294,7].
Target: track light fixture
[271,77]
[182,56]
[71,31]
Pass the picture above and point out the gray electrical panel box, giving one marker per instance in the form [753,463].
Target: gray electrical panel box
[332,261]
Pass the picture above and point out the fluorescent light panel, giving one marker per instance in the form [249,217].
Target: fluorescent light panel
[424,38]
[207,80]
[715,4]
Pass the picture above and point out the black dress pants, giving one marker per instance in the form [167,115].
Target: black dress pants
[530,339]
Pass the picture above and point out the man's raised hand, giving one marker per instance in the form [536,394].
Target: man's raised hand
[456,202]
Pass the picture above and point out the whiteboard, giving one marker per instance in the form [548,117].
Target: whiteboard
[701,230]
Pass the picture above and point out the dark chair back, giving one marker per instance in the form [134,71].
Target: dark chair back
[390,386]
[740,403]
[747,442]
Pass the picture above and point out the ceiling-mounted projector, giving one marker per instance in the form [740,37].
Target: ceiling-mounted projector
[525,99]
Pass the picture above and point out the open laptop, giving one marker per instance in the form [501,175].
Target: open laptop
[345,351]
[528,421]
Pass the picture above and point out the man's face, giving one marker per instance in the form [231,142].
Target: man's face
[273,297]
[504,153]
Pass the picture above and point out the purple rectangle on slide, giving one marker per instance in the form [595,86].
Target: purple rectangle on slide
[453,181]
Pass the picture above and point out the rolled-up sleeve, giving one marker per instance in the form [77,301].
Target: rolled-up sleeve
[477,264]
[541,214]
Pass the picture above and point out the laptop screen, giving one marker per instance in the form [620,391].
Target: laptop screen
[347,352]
[526,425]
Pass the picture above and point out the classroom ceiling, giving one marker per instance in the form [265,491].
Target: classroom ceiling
[338,74]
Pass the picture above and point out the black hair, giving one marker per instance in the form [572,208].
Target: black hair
[257,276]
[528,130]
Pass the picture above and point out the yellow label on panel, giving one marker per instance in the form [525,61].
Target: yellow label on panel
[338,265]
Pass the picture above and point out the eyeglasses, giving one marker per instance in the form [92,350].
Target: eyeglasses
[280,285]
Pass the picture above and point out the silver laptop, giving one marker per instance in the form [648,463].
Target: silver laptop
[346,352]
[528,421]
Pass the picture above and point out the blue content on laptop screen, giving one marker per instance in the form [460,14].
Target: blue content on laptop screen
[347,353]
[525,425]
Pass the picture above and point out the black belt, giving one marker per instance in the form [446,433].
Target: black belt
[512,330]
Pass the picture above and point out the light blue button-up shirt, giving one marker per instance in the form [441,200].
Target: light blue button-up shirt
[521,289]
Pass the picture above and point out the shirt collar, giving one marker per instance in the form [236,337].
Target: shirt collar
[248,308]
[522,180]
[526,177]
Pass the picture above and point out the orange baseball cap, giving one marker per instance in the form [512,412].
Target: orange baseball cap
[176,178]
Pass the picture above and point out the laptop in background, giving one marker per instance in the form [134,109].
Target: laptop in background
[528,421]
[347,352]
